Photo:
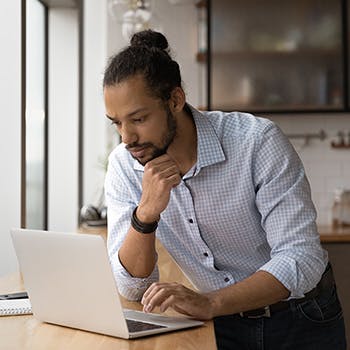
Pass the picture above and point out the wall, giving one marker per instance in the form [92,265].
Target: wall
[327,168]
[178,23]
[10,140]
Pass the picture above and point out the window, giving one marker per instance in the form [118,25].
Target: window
[35,171]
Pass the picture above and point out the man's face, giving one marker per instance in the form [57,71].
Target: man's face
[145,124]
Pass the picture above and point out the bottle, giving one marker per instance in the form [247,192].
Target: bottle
[345,208]
[337,208]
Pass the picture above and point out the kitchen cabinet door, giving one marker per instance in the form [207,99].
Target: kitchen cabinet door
[277,55]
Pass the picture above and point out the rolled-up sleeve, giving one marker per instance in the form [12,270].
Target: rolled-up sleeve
[288,215]
[121,201]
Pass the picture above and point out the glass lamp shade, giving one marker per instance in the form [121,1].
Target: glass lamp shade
[134,21]
[134,16]
[117,8]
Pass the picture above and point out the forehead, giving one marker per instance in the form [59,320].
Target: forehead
[128,95]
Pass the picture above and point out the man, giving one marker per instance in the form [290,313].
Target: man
[227,196]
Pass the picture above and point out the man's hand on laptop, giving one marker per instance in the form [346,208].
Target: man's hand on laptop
[178,297]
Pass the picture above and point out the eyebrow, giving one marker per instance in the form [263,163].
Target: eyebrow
[131,114]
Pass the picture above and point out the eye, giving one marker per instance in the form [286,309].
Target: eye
[117,123]
[138,120]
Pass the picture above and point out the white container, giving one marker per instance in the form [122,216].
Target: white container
[344,218]
[337,208]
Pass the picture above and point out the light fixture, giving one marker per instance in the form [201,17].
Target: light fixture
[134,16]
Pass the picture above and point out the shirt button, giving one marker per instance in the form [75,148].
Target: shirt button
[205,254]
[190,221]
[226,279]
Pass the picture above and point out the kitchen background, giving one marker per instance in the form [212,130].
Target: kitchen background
[281,74]
[282,47]
[79,136]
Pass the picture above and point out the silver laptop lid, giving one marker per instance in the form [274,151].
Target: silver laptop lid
[51,262]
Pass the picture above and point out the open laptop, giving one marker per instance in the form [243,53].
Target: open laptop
[70,282]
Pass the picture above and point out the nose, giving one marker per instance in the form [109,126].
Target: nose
[128,134]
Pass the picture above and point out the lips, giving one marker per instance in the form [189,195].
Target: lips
[137,152]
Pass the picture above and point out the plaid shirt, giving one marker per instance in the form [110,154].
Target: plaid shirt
[245,206]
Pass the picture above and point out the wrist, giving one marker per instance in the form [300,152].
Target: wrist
[214,304]
[143,227]
[144,216]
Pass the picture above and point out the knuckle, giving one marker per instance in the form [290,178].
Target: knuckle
[158,177]
[171,299]
[154,285]
[162,181]
[152,170]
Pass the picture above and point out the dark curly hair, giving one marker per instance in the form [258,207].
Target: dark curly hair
[148,55]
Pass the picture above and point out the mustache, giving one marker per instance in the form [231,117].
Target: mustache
[138,145]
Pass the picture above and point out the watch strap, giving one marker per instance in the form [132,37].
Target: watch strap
[142,227]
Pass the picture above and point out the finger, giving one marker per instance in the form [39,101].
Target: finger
[156,296]
[169,182]
[158,299]
[152,289]
[159,160]
[159,168]
[147,293]
[175,180]
[168,302]
[168,172]
[180,300]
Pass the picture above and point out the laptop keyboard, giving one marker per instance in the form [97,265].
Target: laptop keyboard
[137,326]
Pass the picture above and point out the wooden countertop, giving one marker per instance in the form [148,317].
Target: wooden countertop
[27,333]
[331,234]
[328,233]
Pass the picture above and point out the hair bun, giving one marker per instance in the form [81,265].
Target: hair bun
[150,39]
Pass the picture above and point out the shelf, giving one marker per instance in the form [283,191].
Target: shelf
[277,53]
[340,146]
[275,108]
[330,234]
[259,54]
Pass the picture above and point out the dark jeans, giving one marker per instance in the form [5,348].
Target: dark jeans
[313,324]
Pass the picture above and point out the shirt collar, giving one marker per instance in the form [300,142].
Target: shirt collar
[209,149]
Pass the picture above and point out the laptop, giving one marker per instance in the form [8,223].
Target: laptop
[70,282]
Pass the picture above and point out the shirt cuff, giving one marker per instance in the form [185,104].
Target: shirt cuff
[296,279]
[132,288]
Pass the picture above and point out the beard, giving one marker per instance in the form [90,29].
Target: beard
[167,139]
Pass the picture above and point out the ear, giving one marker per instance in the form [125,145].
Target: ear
[177,100]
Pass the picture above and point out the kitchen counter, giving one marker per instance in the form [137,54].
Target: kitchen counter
[330,234]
